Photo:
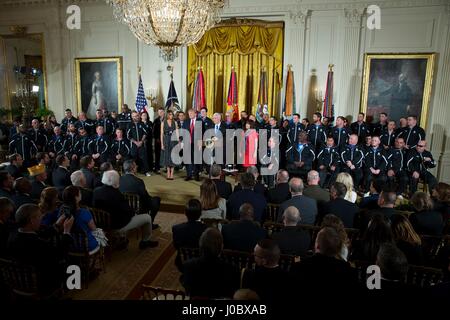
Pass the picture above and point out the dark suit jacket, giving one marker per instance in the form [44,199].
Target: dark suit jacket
[293,241]
[87,196]
[14,171]
[132,184]
[242,235]
[365,216]
[209,277]
[91,179]
[246,196]
[343,209]
[224,188]
[112,200]
[61,178]
[271,284]
[258,188]
[5,193]
[306,206]
[279,194]
[186,235]
[427,222]
[22,198]
[36,189]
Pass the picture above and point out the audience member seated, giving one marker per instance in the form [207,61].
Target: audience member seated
[224,189]
[49,206]
[130,183]
[314,191]
[378,232]
[15,165]
[280,192]
[61,175]
[83,218]
[258,187]
[109,198]
[246,195]
[26,246]
[105,166]
[305,205]
[371,202]
[22,186]
[6,210]
[393,267]
[268,280]
[187,234]
[213,206]
[6,184]
[343,209]
[246,294]
[406,239]
[347,180]
[386,202]
[87,163]
[324,273]
[79,180]
[331,221]
[441,199]
[245,234]
[43,159]
[425,219]
[209,276]
[38,175]
[292,240]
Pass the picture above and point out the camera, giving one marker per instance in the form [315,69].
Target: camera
[67,211]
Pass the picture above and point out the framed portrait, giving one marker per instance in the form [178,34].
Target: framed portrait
[98,84]
[397,84]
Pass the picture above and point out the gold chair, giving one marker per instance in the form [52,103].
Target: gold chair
[157,293]
[20,278]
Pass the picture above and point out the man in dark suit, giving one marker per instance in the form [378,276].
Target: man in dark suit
[245,234]
[259,187]
[306,205]
[157,134]
[87,163]
[246,195]
[281,192]
[292,240]
[385,207]
[38,174]
[79,180]
[61,175]
[193,168]
[26,246]
[208,276]
[22,186]
[131,184]
[15,165]
[6,210]
[224,189]
[343,209]
[6,184]
[187,234]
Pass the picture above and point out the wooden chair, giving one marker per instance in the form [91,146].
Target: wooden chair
[157,293]
[432,246]
[272,212]
[287,261]
[102,220]
[214,223]
[20,278]
[79,254]
[134,201]
[423,277]
[239,259]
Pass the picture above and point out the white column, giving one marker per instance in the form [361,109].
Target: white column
[350,83]
[440,106]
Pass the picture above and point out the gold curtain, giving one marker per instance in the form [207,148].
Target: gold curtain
[247,45]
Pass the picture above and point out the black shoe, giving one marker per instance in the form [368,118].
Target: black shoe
[155,226]
[188,178]
[148,244]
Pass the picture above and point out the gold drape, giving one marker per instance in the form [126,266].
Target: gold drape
[248,46]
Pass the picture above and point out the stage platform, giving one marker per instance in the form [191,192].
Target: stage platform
[175,193]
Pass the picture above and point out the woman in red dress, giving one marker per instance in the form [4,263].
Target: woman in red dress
[250,144]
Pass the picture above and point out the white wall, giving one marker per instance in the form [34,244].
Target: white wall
[317,33]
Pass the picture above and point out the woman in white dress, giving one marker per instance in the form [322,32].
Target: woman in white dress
[97,100]
[347,180]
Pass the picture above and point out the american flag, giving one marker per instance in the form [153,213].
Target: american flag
[141,102]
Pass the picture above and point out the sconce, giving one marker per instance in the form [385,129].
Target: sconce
[319,99]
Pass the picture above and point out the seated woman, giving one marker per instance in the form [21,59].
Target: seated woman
[347,180]
[83,220]
[441,198]
[407,239]
[213,206]
[332,221]
[425,219]
[49,206]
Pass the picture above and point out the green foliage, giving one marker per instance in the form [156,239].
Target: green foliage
[42,113]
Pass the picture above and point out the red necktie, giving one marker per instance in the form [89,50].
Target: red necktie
[192,128]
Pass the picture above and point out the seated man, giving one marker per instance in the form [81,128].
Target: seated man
[22,144]
[352,158]
[22,186]
[208,276]
[397,166]
[61,175]
[130,183]
[258,187]
[6,184]
[99,146]
[224,189]
[6,210]
[292,240]
[375,163]
[87,164]
[281,191]
[394,267]
[300,157]
[305,205]
[15,165]
[26,246]
[419,161]
[187,234]
[79,180]
[328,161]
[268,280]
[38,175]
[109,198]
[341,208]
[243,235]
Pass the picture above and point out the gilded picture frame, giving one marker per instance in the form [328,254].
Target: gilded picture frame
[399,84]
[98,84]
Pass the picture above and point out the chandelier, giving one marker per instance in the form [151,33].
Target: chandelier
[168,24]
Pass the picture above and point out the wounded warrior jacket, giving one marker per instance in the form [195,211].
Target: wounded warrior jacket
[317,135]
[340,136]
[412,136]
[136,131]
[353,154]
[69,145]
[81,147]
[417,163]
[99,144]
[56,145]
[39,138]
[121,147]
[107,124]
[388,139]
[397,160]
[375,158]
[294,130]
[23,145]
[328,156]
[362,130]
[301,153]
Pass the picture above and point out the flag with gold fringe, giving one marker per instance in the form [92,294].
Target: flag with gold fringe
[261,106]
[232,99]
[198,98]
[328,106]
[289,100]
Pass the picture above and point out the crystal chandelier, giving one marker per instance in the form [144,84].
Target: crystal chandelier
[168,24]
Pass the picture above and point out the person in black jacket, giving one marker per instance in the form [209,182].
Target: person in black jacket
[15,165]
[6,210]
[243,235]
[187,234]
[120,148]
[6,184]
[130,183]
[294,130]
[317,135]
[388,136]
[300,157]
[224,189]
[81,147]
[418,164]
[412,134]
[38,175]
[84,123]
[22,144]
[137,134]
[360,128]
[38,135]
[341,208]
[102,120]
[281,192]
[61,175]
[375,163]
[352,158]
[124,119]
[157,134]
[68,119]
[425,219]
[22,186]
[340,133]
[397,159]
[99,146]
[109,198]
[329,163]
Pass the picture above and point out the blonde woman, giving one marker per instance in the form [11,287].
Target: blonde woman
[347,180]
[213,206]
